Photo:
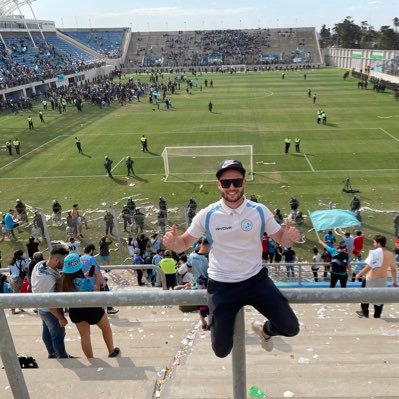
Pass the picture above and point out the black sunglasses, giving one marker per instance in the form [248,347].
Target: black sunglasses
[225,183]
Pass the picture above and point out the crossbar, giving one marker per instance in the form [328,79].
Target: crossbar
[161,297]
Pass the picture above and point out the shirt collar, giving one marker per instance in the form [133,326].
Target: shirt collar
[238,210]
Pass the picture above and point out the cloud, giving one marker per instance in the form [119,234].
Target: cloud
[374,2]
[175,12]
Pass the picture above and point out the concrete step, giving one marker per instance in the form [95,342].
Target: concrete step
[336,355]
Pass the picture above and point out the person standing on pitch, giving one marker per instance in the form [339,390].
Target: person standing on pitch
[30,123]
[108,165]
[78,145]
[231,224]
[144,143]
[17,145]
[129,165]
[287,145]
[297,142]
[9,147]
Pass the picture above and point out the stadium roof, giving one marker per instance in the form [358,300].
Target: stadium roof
[7,7]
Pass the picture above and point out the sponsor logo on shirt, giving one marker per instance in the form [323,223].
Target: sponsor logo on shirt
[223,228]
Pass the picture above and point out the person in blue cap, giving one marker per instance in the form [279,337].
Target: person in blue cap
[73,280]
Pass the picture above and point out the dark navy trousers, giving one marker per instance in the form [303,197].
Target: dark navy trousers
[259,291]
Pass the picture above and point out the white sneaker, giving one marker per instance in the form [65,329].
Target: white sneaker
[266,340]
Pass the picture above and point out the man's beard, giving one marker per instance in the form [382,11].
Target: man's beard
[238,198]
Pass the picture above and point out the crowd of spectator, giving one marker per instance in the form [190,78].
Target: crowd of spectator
[390,67]
[23,63]
[216,47]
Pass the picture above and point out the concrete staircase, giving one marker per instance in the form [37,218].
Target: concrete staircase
[165,355]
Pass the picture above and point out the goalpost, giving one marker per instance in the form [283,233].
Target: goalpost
[199,163]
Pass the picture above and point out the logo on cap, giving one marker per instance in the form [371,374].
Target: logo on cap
[227,163]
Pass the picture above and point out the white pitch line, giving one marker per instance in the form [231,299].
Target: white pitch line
[117,164]
[389,134]
[223,125]
[35,149]
[307,160]
[330,171]
[162,174]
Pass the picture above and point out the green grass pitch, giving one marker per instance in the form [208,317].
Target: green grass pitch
[360,141]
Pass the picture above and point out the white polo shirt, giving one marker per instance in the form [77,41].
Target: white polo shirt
[235,236]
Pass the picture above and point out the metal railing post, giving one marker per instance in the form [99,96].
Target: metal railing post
[118,233]
[45,228]
[300,274]
[10,360]
[238,358]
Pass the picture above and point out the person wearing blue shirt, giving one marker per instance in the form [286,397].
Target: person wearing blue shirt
[199,260]
[74,280]
[9,222]
[330,239]
[271,249]
[88,260]
[155,261]
[4,285]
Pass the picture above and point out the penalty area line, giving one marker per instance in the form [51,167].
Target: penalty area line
[117,164]
[308,161]
[35,149]
[389,134]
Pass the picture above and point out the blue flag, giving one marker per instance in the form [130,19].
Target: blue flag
[333,218]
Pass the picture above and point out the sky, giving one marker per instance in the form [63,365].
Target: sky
[174,15]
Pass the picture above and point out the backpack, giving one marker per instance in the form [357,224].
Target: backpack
[22,272]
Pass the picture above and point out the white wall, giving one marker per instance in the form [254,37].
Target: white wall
[358,59]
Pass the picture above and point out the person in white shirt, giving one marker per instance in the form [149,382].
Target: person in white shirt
[231,225]
[19,267]
[46,278]
[73,246]
[184,270]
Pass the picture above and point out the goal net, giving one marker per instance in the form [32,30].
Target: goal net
[199,163]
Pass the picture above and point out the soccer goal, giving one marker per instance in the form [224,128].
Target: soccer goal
[199,163]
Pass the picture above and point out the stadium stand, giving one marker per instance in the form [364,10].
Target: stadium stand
[390,67]
[23,61]
[228,47]
[107,42]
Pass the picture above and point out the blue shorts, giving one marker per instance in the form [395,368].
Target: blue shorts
[104,258]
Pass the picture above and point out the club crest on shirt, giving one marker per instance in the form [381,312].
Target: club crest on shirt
[246,225]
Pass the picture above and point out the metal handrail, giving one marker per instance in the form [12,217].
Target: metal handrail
[148,266]
[162,297]
[125,267]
